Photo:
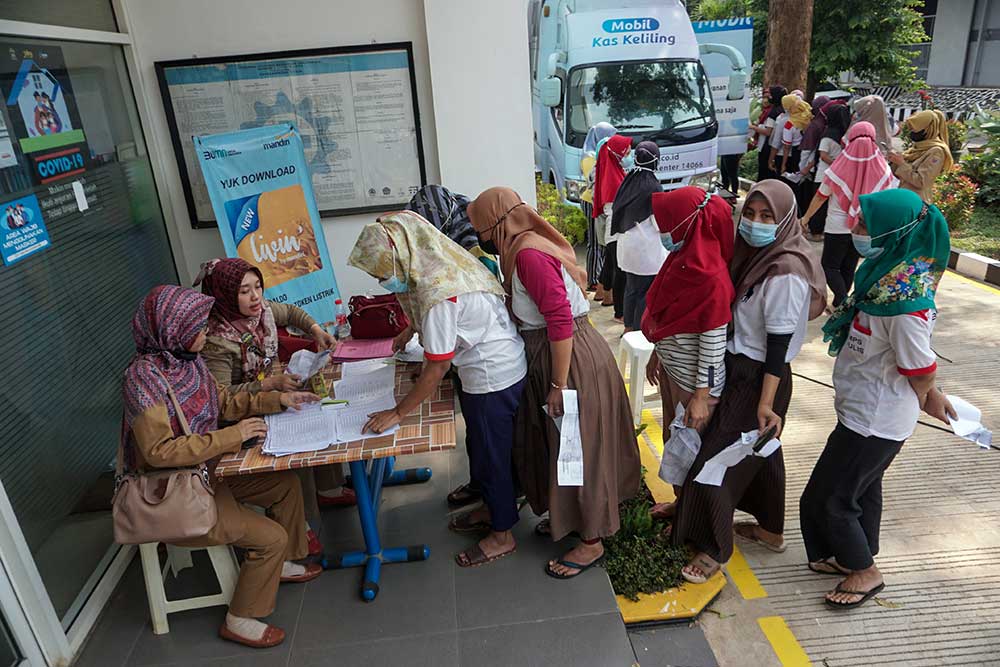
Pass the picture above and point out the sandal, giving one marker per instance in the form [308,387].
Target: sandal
[751,536]
[474,556]
[829,566]
[706,564]
[580,569]
[463,523]
[464,495]
[544,529]
[272,637]
[313,570]
[868,595]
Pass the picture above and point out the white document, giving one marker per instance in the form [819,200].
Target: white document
[352,369]
[714,470]
[350,419]
[365,387]
[81,198]
[969,424]
[680,451]
[307,430]
[414,352]
[306,363]
[569,465]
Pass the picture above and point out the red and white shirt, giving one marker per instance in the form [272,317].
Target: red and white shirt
[475,332]
[873,395]
[790,135]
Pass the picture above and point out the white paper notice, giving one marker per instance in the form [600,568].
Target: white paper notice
[365,387]
[352,418]
[81,198]
[714,470]
[969,424]
[352,369]
[680,451]
[305,363]
[310,429]
[569,466]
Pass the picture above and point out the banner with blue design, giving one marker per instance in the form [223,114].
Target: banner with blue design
[263,202]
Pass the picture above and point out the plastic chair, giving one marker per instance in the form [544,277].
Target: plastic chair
[178,559]
[634,352]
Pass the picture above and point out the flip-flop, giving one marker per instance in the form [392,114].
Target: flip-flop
[580,569]
[820,566]
[704,563]
[778,549]
[464,495]
[463,524]
[868,595]
[475,557]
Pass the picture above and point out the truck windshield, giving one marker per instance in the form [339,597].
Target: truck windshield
[639,97]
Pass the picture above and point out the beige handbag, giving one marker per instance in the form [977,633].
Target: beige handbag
[166,505]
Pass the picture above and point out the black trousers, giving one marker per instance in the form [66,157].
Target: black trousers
[763,156]
[730,168]
[636,287]
[839,261]
[841,506]
[613,278]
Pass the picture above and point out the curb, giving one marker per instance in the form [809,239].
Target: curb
[975,266]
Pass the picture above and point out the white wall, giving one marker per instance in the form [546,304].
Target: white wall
[950,42]
[482,93]
[480,71]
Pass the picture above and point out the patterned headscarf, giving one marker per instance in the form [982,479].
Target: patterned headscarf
[446,211]
[256,336]
[913,236]
[166,323]
[434,267]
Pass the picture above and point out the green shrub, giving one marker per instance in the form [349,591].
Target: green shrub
[568,220]
[748,166]
[983,166]
[955,195]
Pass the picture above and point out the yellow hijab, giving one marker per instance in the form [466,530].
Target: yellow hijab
[936,126]
[799,111]
[434,267]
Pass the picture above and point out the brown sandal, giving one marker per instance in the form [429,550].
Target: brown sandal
[749,534]
[464,495]
[313,570]
[663,511]
[463,523]
[272,637]
[706,564]
[474,556]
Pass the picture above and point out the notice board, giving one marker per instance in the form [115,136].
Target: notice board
[355,107]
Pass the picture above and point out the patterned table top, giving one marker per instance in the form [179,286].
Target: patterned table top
[431,428]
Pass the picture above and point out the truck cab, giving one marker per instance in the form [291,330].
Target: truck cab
[633,63]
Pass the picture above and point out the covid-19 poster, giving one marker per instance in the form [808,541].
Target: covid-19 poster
[733,115]
[262,197]
[44,121]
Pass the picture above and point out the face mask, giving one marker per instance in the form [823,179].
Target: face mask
[394,284]
[918,136]
[669,244]
[863,244]
[758,234]
[489,247]
[628,162]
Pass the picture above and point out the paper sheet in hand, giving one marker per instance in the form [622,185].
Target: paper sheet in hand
[680,451]
[414,352]
[569,465]
[969,424]
[357,350]
[304,363]
[307,430]
[714,470]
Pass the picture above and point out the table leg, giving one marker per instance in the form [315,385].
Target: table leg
[407,476]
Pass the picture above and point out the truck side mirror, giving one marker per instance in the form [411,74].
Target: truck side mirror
[551,91]
[737,88]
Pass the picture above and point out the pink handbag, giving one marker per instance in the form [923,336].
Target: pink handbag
[165,505]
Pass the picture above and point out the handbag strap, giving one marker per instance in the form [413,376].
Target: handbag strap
[120,459]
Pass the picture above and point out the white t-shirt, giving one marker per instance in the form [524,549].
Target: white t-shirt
[475,332]
[873,395]
[608,236]
[777,130]
[832,149]
[836,217]
[640,251]
[778,305]
[526,310]
[790,135]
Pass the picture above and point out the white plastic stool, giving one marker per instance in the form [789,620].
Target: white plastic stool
[634,351]
[178,559]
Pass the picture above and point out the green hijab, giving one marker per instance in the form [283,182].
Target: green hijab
[904,277]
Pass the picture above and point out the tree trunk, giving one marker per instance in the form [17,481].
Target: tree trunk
[789,36]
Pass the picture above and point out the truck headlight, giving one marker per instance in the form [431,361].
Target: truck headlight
[574,188]
[707,180]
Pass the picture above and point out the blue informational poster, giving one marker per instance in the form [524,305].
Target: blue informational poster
[263,201]
[733,115]
[23,229]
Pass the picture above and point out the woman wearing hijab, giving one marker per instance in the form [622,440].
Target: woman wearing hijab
[859,170]
[640,255]
[167,372]
[458,308]
[883,377]
[838,118]
[778,289]
[765,128]
[545,288]
[777,136]
[929,157]
[809,154]
[871,108]
[609,173]
[799,116]
[688,306]
[595,242]
[446,211]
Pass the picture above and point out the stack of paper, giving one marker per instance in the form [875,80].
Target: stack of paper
[304,363]
[307,430]
[359,350]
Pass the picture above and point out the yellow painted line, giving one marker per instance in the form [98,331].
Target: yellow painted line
[785,646]
[743,577]
[654,430]
[959,276]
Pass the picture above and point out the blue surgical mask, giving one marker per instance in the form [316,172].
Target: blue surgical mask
[758,234]
[394,284]
[669,244]
[628,162]
[863,244]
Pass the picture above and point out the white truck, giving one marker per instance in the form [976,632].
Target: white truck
[637,65]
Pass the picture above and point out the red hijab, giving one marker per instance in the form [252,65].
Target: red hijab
[609,174]
[692,292]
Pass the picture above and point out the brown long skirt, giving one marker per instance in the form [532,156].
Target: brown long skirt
[704,518]
[611,468]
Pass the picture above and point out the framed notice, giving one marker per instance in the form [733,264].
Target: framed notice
[354,106]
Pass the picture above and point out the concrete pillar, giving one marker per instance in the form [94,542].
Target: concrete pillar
[950,42]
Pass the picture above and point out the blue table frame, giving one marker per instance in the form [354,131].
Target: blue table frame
[368,478]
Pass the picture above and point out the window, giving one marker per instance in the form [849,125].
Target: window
[922,52]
